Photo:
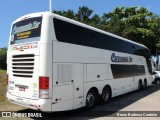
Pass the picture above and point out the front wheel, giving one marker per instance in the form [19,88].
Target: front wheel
[90,99]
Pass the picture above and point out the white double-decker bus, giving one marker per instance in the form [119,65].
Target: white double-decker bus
[57,64]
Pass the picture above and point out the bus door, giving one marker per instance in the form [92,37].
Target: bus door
[78,85]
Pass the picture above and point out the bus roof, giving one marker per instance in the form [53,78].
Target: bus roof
[76,23]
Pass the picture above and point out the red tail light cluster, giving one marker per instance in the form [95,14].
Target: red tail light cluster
[43,87]
[44,83]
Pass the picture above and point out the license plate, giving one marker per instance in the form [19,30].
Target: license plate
[21,88]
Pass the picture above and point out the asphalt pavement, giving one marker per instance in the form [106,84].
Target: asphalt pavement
[136,105]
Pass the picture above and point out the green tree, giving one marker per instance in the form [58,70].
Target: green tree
[95,21]
[83,14]
[69,14]
[3,56]
[134,23]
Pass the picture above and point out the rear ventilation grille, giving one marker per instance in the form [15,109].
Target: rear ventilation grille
[23,65]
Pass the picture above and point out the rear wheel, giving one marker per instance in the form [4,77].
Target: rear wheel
[145,83]
[90,99]
[140,86]
[106,94]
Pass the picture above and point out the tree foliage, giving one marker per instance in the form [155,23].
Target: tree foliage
[134,23]
[137,24]
[3,56]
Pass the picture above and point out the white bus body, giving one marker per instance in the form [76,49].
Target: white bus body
[56,64]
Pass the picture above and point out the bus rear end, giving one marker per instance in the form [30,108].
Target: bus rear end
[28,73]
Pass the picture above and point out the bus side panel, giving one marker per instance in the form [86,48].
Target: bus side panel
[62,97]
[78,85]
[119,85]
[96,72]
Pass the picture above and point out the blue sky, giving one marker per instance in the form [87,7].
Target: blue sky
[12,9]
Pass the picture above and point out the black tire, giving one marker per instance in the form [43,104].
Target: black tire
[158,81]
[145,84]
[140,86]
[91,99]
[106,95]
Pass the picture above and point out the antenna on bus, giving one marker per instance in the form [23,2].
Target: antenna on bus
[50,6]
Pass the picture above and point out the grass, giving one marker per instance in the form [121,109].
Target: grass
[4,104]
[3,86]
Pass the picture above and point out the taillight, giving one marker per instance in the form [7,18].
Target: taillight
[43,87]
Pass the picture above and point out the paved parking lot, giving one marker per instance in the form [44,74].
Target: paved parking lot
[144,100]
[138,102]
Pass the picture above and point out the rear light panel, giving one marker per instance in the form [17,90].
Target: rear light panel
[43,87]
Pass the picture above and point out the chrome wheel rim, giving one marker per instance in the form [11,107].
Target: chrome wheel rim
[90,99]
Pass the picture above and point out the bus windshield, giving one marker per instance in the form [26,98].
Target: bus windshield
[28,30]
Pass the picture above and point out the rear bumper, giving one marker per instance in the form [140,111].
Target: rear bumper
[36,104]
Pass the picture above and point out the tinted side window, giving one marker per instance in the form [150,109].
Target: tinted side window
[71,33]
[121,71]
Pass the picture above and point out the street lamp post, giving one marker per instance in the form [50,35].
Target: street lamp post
[50,6]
